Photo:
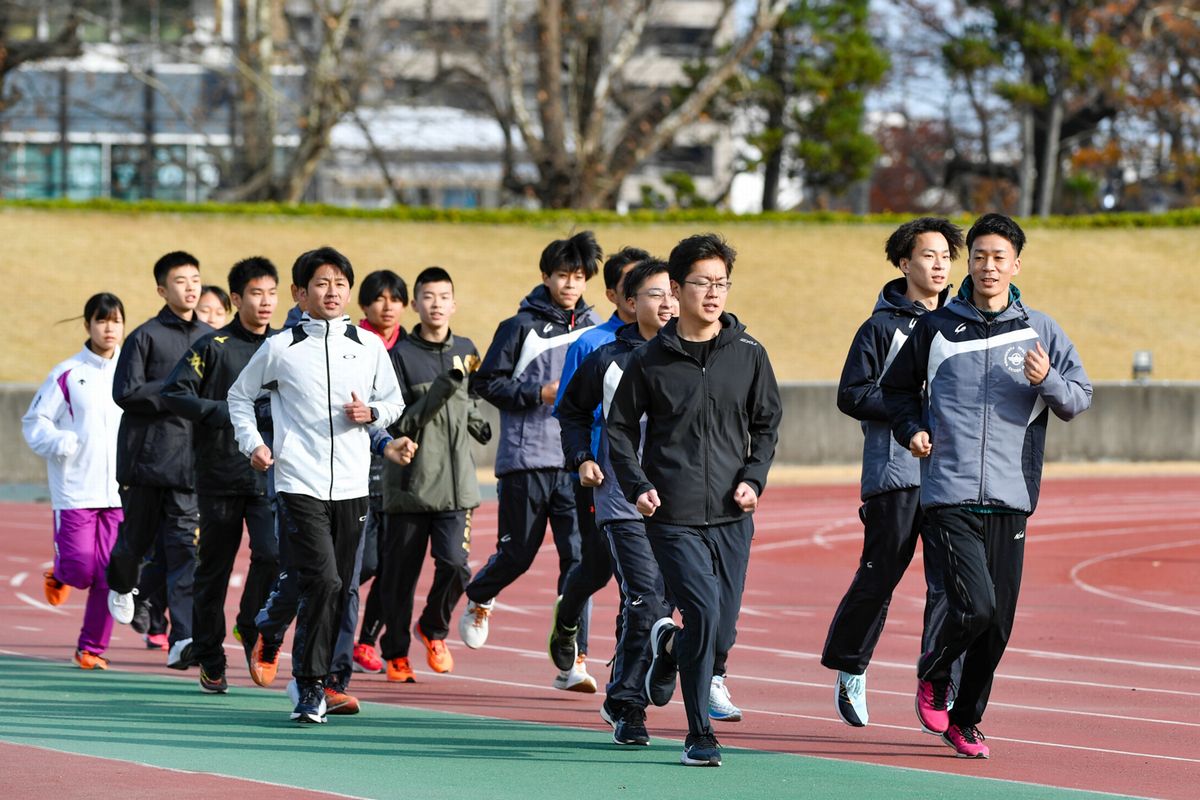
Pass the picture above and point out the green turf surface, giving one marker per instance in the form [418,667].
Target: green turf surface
[389,751]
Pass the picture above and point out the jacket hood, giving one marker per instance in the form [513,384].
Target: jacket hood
[967,289]
[294,316]
[892,300]
[539,302]
[630,333]
[319,327]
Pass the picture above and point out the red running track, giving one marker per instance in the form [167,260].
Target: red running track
[1099,689]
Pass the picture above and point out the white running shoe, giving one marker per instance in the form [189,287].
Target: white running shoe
[850,699]
[576,679]
[720,704]
[473,624]
[121,606]
[180,655]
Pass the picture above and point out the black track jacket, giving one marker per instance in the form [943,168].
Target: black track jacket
[707,428]
[154,446]
[196,390]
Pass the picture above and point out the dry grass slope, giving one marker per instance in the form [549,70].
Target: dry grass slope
[801,289]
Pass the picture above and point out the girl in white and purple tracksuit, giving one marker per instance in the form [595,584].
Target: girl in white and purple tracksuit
[72,423]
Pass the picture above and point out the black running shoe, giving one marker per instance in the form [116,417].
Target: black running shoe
[562,645]
[214,683]
[141,617]
[310,705]
[660,678]
[701,751]
[631,727]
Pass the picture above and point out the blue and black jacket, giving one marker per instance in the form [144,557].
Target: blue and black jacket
[886,466]
[593,385]
[527,352]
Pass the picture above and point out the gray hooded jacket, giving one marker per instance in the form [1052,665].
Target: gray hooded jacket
[986,423]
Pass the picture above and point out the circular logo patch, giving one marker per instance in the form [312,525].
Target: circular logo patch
[1014,358]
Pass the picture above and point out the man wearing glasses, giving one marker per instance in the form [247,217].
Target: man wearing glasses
[712,413]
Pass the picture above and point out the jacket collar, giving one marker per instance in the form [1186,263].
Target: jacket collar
[91,359]
[320,327]
[168,317]
[538,302]
[414,338]
[730,328]
[236,328]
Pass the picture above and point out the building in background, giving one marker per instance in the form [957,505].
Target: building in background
[147,111]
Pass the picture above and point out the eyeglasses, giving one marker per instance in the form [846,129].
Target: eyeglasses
[720,287]
[655,294]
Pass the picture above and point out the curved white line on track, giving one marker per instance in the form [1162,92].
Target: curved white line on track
[1087,587]
[38,604]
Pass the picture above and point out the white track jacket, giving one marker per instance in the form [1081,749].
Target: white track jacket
[310,371]
[72,423]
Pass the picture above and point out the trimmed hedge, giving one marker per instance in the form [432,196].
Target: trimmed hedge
[1188,217]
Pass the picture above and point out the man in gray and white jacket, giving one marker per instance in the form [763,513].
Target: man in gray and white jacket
[969,394]
[329,385]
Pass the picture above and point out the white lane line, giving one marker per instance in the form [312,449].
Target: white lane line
[735,678]
[38,604]
[19,578]
[797,654]
[1087,587]
[784,714]
[27,628]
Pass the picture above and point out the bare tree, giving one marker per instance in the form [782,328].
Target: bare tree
[594,123]
[63,44]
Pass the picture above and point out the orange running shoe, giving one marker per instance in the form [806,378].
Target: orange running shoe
[337,702]
[263,661]
[87,660]
[400,671]
[437,655]
[56,590]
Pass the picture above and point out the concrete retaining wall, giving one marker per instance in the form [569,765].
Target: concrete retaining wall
[1127,422]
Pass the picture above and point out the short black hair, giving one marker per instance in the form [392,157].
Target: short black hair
[308,263]
[249,269]
[579,252]
[221,296]
[646,269]
[102,306]
[902,241]
[431,275]
[698,248]
[176,258]
[379,283]
[1000,225]
[618,261]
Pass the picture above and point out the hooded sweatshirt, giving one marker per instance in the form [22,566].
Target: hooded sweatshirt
[961,377]
[528,351]
[886,466]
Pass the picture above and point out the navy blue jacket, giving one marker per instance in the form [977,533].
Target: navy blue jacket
[528,351]
[886,466]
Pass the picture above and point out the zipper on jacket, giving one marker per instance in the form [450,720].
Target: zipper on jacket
[449,430]
[987,365]
[329,404]
[705,442]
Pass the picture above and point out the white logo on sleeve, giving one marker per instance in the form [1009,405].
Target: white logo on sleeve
[1020,535]
[962,327]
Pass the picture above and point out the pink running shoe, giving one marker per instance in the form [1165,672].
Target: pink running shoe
[931,706]
[366,660]
[967,741]
[157,641]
